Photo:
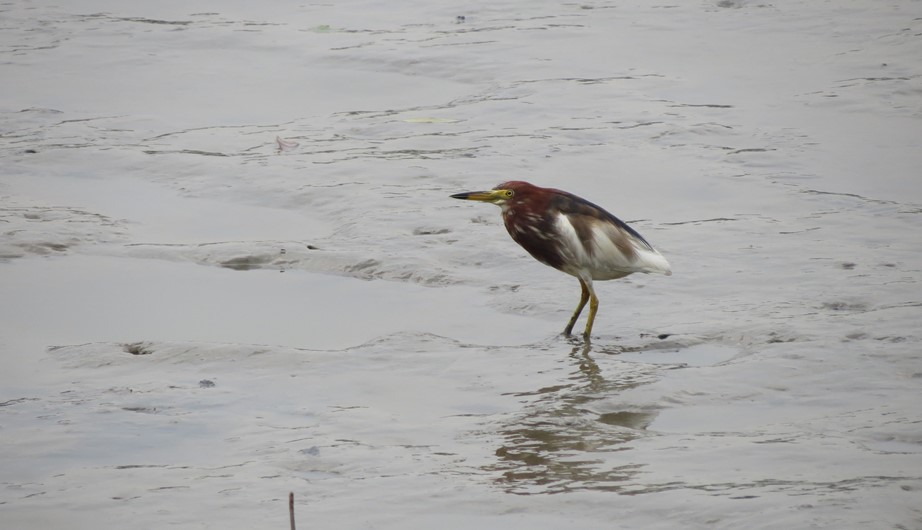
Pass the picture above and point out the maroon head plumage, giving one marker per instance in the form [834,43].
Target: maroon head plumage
[572,235]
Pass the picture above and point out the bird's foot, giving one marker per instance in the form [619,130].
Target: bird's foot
[581,338]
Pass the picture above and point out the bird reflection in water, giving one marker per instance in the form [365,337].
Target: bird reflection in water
[572,436]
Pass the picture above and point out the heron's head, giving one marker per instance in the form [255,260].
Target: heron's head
[499,195]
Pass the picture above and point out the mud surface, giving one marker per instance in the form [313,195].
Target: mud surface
[198,318]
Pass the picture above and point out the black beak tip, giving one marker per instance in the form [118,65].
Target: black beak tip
[460,195]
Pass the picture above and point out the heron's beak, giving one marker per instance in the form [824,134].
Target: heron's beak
[484,196]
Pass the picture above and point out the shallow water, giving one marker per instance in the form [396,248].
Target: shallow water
[196,321]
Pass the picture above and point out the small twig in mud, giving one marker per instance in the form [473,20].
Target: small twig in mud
[291,509]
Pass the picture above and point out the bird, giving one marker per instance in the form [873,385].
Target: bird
[574,236]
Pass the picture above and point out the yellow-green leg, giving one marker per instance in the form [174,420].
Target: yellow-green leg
[593,309]
[583,298]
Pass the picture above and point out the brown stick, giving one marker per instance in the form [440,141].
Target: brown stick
[291,509]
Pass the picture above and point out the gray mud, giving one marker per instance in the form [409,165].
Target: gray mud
[197,319]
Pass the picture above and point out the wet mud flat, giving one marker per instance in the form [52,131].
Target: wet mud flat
[198,318]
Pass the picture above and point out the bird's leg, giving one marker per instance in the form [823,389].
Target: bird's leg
[583,298]
[593,308]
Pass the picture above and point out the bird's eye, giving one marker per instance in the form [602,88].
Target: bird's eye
[508,194]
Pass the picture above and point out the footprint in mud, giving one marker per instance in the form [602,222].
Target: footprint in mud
[628,419]
[839,305]
[676,351]
[138,348]
[246,263]
[707,354]
[430,231]
[142,410]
